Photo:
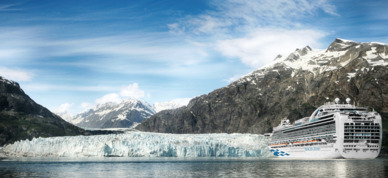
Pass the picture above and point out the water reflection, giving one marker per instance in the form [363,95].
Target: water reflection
[205,167]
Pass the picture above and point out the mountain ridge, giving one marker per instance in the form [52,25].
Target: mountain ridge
[117,115]
[22,118]
[125,114]
[291,86]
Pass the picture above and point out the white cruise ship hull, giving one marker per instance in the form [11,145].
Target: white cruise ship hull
[314,152]
[339,134]
[323,152]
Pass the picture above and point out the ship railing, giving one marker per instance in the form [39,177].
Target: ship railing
[321,121]
[308,137]
[337,106]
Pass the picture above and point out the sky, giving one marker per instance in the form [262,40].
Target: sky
[70,55]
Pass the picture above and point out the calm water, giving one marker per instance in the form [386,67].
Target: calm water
[192,167]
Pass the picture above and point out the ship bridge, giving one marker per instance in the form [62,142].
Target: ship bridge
[331,107]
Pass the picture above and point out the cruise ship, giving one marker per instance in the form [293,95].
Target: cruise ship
[333,131]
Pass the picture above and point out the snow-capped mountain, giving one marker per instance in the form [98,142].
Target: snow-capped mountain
[339,54]
[291,86]
[173,104]
[126,114]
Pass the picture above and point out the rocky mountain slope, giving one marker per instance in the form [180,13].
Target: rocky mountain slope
[126,114]
[22,118]
[291,86]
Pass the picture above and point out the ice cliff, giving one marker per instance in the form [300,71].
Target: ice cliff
[142,144]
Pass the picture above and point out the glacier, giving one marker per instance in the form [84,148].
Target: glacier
[142,144]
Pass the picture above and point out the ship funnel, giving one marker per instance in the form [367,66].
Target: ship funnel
[337,100]
[348,100]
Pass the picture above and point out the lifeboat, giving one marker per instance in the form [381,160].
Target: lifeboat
[279,144]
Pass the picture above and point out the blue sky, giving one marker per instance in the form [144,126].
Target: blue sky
[70,55]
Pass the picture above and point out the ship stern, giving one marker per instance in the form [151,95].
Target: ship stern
[361,135]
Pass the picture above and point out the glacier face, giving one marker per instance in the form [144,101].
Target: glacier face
[143,144]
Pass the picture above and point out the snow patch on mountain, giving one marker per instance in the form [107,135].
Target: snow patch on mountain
[351,75]
[143,144]
[173,104]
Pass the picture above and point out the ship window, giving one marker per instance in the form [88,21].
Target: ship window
[319,113]
[352,110]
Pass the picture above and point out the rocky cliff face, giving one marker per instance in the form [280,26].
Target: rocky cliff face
[126,114]
[22,118]
[292,86]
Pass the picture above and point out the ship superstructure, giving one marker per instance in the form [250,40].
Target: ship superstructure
[332,131]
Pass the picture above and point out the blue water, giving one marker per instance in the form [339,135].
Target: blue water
[191,167]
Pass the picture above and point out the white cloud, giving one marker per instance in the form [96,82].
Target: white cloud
[122,49]
[46,87]
[63,108]
[14,74]
[256,31]
[9,7]
[175,28]
[86,106]
[261,46]
[209,24]
[243,15]
[11,53]
[112,97]
[113,54]
[64,111]
[235,28]
[132,91]
[19,46]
